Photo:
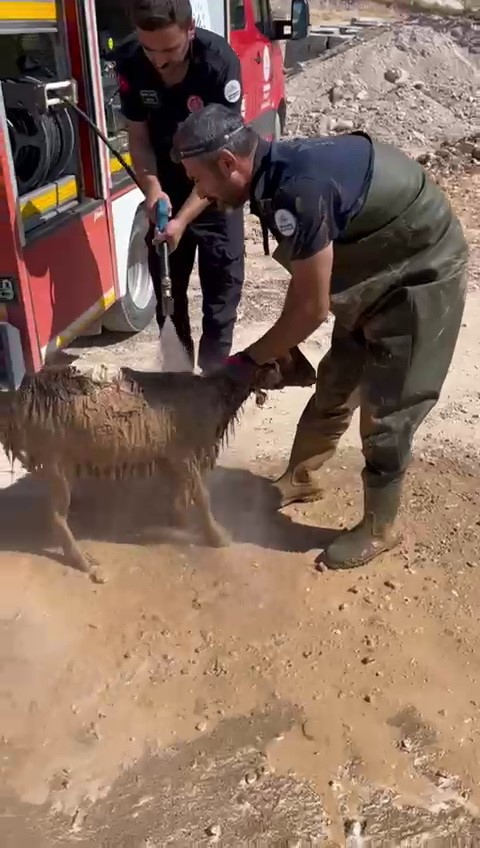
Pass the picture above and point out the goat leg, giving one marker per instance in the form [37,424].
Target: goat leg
[178,511]
[215,535]
[60,496]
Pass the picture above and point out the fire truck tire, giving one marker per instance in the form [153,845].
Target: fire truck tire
[136,309]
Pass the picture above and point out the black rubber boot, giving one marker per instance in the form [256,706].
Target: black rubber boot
[374,535]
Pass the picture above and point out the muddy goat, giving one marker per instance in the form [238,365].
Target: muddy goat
[63,425]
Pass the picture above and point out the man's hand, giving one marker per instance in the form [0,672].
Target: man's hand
[172,234]
[152,197]
[240,367]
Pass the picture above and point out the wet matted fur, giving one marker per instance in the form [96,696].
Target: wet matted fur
[64,425]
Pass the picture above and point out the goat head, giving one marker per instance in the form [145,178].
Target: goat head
[291,370]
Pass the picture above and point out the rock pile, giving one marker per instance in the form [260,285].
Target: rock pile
[411,85]
[464,31]
[462,155]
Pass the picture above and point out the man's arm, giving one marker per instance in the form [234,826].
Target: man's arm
[140,148]
[191,209]
[306,308]
[304,211]
[143,157]
[226,88]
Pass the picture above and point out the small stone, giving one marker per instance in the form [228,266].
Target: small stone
[396,75]
[476,152]
[214,831]
[391,585]
[367,660]
[77,820]
[336,94]
[201,726]
[367,699]
[344,125]
[251,777]
[406,744]
[343,607]
[98,577]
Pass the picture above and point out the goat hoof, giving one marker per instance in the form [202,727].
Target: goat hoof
[80,562]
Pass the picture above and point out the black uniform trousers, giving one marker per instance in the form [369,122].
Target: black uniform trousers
[219,238]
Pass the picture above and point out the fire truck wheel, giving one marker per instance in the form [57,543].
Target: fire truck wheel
[136,309]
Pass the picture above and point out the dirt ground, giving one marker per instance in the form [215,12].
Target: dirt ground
[239,696]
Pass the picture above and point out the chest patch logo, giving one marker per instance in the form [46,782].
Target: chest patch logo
[149,97]
[195,103]
[232,91]
[286,222]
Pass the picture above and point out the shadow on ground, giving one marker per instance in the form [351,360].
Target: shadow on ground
[176,797]
[126,512]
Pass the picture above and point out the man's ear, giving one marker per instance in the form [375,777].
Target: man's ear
[226,162]
[191,30]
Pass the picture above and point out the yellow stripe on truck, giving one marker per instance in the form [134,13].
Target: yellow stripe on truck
[50,199]
[43,10]
[115,165]
[75,330]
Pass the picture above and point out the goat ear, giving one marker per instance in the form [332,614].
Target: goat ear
[296,370]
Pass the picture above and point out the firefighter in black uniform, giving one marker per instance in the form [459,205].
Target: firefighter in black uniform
[366,235]
[167,70]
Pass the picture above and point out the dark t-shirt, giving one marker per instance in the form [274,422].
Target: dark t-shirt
[307,190]
[213,76]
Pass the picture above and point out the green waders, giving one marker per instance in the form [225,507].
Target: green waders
[398,294]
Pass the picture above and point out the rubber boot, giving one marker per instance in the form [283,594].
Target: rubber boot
[299,484]
[376,532]
[316,439]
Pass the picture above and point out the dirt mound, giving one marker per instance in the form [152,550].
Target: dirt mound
[464,31]
[411,85]
[462,155]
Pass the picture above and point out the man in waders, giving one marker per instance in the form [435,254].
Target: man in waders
[167,70]
[366,235]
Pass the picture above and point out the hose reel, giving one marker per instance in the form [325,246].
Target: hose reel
[42,131]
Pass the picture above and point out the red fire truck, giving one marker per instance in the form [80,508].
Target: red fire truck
[72,224]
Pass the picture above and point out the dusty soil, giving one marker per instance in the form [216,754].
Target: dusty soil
[240,696]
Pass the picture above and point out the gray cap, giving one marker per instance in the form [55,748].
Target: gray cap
[206,131]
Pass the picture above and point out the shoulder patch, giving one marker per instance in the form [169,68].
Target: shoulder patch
[286,222]
[232,91]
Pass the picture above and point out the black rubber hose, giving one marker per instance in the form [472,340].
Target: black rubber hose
[103,137]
